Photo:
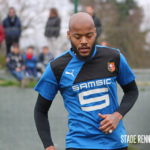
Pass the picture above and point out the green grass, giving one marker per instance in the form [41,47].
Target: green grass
[32,84]
[130,147]
[2,62]
[6,83]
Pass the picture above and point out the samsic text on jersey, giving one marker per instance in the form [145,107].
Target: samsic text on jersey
[88,88]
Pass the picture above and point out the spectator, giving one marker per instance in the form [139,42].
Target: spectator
[97,22]
[15,63]
[52,30]
[44,58]
[12,28]
[104,43]
[30,63]
[2,34]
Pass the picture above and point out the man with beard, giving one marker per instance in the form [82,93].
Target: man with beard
[86,76]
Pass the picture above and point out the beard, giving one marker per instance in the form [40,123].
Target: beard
[84,58]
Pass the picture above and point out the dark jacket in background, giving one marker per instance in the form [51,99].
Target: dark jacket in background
[14,61]
[2,34]
[52,28]
[44,59]
[12,28]
[98,25]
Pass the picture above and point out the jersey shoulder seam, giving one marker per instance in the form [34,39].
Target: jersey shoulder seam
[59,64]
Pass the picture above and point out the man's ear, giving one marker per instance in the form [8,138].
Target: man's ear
[68,35]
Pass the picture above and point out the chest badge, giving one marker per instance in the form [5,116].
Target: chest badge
[111,66]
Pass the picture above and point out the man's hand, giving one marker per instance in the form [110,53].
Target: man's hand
[50,148]
[110,121]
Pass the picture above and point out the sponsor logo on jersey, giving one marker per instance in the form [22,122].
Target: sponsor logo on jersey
[91,84]
[70,73]
[111,66]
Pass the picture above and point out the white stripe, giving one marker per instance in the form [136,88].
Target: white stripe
[90,92]
[96,107]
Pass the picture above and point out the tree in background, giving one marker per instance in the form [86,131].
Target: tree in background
[128,37]
[121,22]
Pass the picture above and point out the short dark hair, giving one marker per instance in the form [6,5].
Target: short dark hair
[45,47]
[15,45]
[12,8]
[30,47]
[54,10]
[90,6]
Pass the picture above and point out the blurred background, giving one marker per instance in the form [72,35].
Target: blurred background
[125,24]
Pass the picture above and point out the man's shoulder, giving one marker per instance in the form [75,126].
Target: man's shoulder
[34,57]
[59,64]
[96,19]
[108,51]
[59,61]
[9,55]
[41,54]
[5,19]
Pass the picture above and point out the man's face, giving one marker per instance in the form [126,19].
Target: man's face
[30,51]
[52,14]
[90,10]
[11,13]
[45,50]
[16,50]
[82,37]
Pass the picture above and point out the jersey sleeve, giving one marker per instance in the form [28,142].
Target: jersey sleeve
[47,86]
[125,74]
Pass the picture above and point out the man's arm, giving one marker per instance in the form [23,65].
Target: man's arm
[9,64]
[41,120]
[18,25]
[110,121]
[130,96]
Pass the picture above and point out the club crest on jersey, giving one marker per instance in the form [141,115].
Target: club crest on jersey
[111,66]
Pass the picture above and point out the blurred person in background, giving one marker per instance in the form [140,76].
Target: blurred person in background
[2,34]
[104,43]
[30,63]
[44,57]
[52,30]
[15,63]
[12,26]
[97,22]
